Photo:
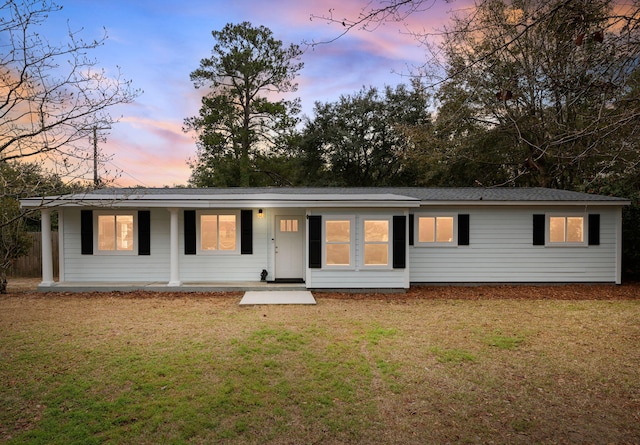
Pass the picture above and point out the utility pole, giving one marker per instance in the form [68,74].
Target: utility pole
[96,180]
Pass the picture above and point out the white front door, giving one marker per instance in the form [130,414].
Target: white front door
[289,248]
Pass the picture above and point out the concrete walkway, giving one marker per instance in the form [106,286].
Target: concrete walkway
[277,297]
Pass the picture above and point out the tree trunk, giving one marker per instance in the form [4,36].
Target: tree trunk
[3,282]
[244,168]
[246,139]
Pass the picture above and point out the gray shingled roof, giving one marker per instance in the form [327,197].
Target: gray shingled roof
[452,194]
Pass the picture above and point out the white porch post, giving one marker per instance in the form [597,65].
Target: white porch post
[47,251]
[174,275]
[61,271]
[407,258]
[619,245]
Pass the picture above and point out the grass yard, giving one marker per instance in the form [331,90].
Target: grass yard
[147,368]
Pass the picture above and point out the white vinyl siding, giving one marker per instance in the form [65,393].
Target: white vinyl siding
[359,276]
[154,268]
[227,267]
[361,279]
[116,268]
[501,250]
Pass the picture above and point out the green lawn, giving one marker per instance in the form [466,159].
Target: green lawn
[200,369]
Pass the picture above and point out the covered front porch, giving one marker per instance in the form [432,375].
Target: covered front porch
[149,286]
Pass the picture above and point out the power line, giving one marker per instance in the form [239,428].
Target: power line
[123,172]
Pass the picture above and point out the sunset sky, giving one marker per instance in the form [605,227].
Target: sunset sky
[157,43]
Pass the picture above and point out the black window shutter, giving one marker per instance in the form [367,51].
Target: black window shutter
[86,232]
[538,230]
[144,232]
[594,229]
[189,232]
[463,230]
[246,232]
[315,241]
[411,229]
[399,242]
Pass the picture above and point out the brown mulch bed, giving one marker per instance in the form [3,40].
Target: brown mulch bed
[627,291]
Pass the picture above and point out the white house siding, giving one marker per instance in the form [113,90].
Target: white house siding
[203,268]
[116,268]
[155,267]
[359,277]
[362,279]
[501,250]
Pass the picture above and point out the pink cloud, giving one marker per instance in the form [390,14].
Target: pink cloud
[169,131]
[150,152]
[160,52]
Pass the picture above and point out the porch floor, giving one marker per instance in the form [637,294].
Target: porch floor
[100,286]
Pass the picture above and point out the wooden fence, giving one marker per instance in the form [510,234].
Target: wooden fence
[30,265]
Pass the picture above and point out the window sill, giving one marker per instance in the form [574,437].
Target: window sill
[217,252]
[115,253]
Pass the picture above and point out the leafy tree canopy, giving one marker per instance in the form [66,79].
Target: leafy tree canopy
[20,180]
[240,123]
[547,87]
[363,139]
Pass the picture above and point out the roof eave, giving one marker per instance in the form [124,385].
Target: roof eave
[220,203]
[526,203]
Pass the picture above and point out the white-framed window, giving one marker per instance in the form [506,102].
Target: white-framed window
[436,230]
[338,242]
[376,242]
[116,232]
[218,232]
[566,230]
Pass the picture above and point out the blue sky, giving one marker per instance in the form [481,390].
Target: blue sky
[157,43]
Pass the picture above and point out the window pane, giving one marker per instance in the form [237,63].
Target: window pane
[376,231]
[338,231]
[444,229]
[124,231]
[376,254]
[556,229]
[209,232]
[574,229]
[426,229]
[227,232]
[338,254]
[288,225]
[106,232]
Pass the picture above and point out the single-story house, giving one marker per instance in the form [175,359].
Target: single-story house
[332,238]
